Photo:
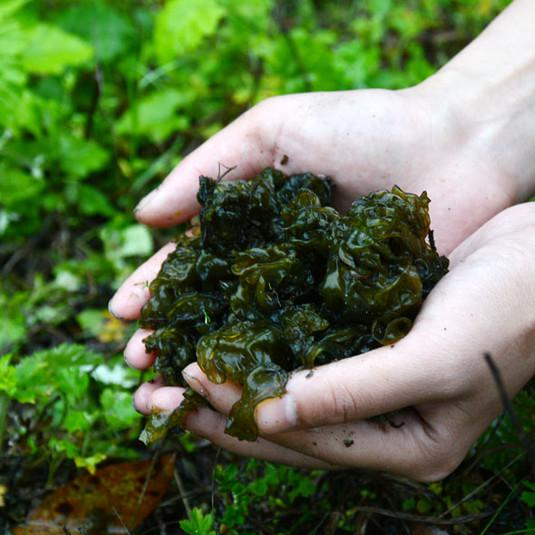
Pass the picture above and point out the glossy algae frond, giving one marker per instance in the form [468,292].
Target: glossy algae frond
[278,279]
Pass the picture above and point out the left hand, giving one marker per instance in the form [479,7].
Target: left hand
[435,379]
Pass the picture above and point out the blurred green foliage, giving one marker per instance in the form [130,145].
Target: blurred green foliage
[99,99]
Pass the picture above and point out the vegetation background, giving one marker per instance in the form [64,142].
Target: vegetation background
[99,99]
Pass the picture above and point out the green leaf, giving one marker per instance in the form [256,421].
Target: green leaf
[78,420]
[73,381]
[44,372]
[198,523]
[64,446]
[110,32]
[8,379]
[182,25]
[155,115]
[12,78]
[12,319]
[528,498]
[80,157]
[9,7]
[17,186]
[90,462]
[91,321]
[118,410]
[50,50]
[134,240]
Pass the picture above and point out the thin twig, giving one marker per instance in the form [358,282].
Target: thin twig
[179,497]
[499,510]
[141,496]
[121,520]
[481,448]
[183,494]
[508,406]
[228,169]
[486,483]
[216,458]
[398,515]
[4,405]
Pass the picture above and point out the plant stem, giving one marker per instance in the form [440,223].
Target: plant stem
[4,404]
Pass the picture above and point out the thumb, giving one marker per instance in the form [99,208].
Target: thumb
[378,382]
[247,143]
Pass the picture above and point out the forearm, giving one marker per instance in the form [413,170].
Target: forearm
[489,89]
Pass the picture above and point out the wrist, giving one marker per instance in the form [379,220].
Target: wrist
[487,94]
[496,117]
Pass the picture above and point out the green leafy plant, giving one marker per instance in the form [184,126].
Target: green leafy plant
[78,407]
[198,523]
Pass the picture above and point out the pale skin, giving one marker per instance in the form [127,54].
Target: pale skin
[467,137]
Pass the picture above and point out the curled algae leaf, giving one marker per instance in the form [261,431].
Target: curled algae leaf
[277,279]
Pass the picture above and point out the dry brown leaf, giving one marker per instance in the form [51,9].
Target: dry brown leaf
[116,499]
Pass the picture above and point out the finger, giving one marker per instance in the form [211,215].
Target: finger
[135,353]
[165,398]
[134,292]
[241,144]
[400,443]
[211,425]
[378,382]
[143,394]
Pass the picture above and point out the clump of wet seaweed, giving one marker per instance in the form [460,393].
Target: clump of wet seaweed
[275,279]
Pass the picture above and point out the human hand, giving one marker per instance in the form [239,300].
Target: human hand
[463,135]
[435,378]
[366,140]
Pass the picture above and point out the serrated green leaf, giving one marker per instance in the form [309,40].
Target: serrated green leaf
[43,372]
[182,25]
[198,523]
[78,420]
[50,50]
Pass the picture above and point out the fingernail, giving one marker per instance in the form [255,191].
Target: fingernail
[162,404]
[276,415]
[165,399]
[192,377]
[111,309]
[125,358]
[143,203]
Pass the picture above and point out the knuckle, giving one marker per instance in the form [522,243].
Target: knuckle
[344,402]
[436,460]
[332,404]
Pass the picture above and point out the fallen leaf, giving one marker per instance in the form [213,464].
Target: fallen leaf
[116,499]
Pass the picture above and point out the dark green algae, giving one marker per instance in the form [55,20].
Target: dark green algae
[275,279]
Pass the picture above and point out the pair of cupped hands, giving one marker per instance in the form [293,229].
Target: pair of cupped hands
[435,382]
